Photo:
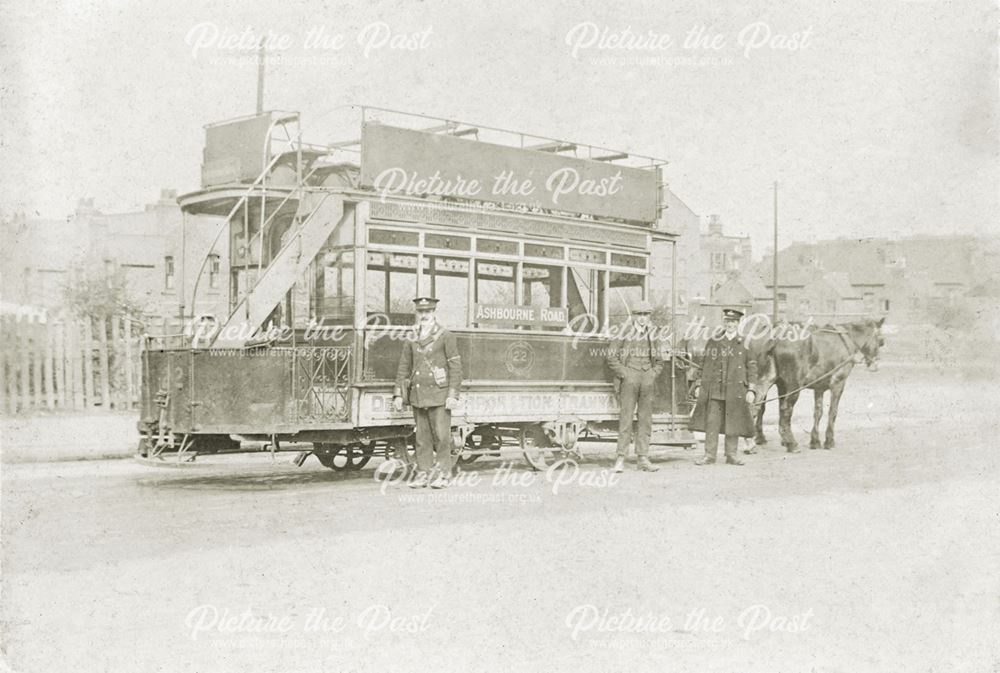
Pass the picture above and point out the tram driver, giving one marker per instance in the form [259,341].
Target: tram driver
[429,377]
[636,360]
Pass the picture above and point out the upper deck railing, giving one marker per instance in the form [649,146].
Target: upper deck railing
[349,142]
[497,135]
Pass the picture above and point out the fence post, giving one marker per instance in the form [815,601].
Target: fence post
[50,398]
[24,348]
[114,353]
[60,337]
[129,382]
[88,364]
[102,361]
[76,368]
[5,397]
[35,334]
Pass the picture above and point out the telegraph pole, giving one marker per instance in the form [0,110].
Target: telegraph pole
[774,270]
[260,76]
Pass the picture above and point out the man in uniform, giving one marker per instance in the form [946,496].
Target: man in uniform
[429,377]
[636,362]
[728,379]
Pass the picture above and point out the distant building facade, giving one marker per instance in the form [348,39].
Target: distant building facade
[722,255]
[744,290]
[908,279]
[707,260]
[41,257]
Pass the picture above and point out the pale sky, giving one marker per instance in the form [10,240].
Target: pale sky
[883,121]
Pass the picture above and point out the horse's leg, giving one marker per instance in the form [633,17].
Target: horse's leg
[817,418]
[836,391]
[760,440]
[781,412]
[787,406]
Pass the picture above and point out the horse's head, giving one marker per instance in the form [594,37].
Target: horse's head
[868,337]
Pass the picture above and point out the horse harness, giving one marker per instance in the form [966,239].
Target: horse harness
[857,352]
[852,348]
[856,355]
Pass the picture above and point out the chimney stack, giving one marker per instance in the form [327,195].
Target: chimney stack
[714,225]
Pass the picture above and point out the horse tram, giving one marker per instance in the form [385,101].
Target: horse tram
[535,247]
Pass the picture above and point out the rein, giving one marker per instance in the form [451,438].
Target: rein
[850,358]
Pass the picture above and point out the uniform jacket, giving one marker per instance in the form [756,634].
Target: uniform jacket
[415,377]
[728,369]
[631,352]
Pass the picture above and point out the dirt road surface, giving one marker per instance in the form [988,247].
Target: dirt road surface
[880,555]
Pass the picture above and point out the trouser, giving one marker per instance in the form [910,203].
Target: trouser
[433,437]
[636,397]
[714,424]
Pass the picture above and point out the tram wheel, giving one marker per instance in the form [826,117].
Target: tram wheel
[534,448]
[344,457]
[359,460]
[486,443]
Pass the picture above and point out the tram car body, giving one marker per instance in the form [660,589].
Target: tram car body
[324,261]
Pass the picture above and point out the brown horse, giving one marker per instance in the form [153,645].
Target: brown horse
[822,361]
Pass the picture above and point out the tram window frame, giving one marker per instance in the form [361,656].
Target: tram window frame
[597,268]
[400,317]
[515,272]
[344,262]
[615,318]
[451,314]
[339,246]
[593,303]
[555,289]
[214,271]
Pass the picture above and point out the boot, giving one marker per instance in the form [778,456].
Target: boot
[620,464]
[420,481]
[441,481]
[643,465]
[705,460]
[733,460]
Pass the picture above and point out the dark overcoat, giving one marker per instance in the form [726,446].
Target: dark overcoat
[741,375]
[416,381]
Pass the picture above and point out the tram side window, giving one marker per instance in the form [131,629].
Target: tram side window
[625,291]
[584,293]
[447,278]
[333,288]
[541,285]
[390,286]
[495,283]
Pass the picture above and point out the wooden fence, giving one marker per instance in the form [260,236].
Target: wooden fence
[69,364]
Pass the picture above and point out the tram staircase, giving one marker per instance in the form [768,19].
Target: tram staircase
[318,215]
